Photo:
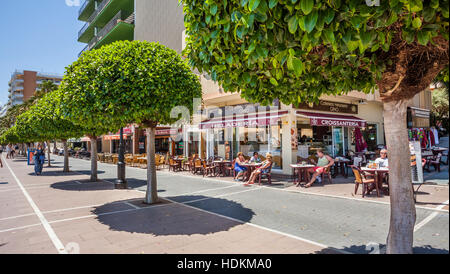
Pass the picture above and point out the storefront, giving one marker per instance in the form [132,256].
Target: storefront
[247,133]
[330,132]
[167,140]
[418,118]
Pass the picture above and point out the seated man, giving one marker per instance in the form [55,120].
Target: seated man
[323,162]
[382,161]
[255,158]
[265,168]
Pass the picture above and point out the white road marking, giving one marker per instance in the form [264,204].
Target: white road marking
[51,233]
[37,187]
[430,217]
[133,206]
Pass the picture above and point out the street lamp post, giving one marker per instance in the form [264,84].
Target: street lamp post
[121,183]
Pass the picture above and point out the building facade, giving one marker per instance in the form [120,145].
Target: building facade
[24,84]
[288,132]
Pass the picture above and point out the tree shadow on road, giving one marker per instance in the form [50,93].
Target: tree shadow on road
[169,218]
[60,173]
[82,185]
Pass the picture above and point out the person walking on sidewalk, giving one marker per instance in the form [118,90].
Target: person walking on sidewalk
[39,158]
[8,151]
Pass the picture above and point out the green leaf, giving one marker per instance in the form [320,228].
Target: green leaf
[253,4]
[310,21]
[329,35]
[213,9]
[416,5]
[306,6]
[272,3]
[329,15]
[423,37]
[274,82]
[417,23]
[293,24]
[298,67]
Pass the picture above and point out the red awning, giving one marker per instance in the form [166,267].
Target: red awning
[332,120]
[246,120]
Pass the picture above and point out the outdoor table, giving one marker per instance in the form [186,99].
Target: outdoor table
[221,166]
[378,172]
[250,168]
[438,150]
[302,172]
[341,164]
[179,162]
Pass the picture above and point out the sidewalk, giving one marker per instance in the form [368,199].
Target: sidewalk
[63,213]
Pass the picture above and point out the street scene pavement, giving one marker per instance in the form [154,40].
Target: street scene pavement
[65,213]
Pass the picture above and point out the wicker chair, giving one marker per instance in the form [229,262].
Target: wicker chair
[364,180]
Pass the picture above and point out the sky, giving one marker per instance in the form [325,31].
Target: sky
[38,35]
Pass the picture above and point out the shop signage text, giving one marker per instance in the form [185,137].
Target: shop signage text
[336,123]
[331,107]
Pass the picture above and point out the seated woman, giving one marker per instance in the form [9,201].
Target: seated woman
[265,168]
[323,162]
[255,158]
[240,170]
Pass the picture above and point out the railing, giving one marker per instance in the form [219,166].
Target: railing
[92,17]
[83,29]
[111,24]
[83,50]
[86,2]
[98,10]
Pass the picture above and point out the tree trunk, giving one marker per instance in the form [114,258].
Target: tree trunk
[151,196]
[48,153]
[54,146]
[66,157]
[94,159]
[403,210]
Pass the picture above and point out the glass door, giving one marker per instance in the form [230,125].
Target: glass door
[338,141]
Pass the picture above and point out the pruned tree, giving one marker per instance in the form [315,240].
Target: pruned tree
[299,50]
[130,82]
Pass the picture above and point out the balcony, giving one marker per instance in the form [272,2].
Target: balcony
[102,15]
[86,10]
[116,30]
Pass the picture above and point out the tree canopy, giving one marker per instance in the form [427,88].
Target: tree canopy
[298,50]
[127,82]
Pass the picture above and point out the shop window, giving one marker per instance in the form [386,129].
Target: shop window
[369,134]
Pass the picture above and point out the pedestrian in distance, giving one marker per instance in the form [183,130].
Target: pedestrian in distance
[8,151]
[39,159]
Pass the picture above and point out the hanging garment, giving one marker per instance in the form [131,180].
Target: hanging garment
[432,141]
[360,143]
[436,135]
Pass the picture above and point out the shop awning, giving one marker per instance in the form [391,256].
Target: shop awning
[167,132]
[332,120]
[246,120]
[114,137]
[85,139]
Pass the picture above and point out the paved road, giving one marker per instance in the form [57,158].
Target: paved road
[345,224]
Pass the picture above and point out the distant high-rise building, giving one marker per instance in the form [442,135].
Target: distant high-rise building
[24,84]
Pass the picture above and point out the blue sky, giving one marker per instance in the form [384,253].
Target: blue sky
[37,35]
